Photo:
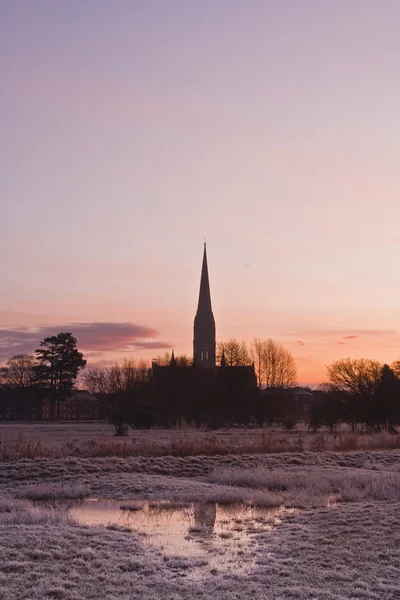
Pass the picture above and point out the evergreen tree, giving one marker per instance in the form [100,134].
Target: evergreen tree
[58,365]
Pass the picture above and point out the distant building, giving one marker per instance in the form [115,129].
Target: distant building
[26,404]
[303,400]
[81,405]
[284,405]
[204,391]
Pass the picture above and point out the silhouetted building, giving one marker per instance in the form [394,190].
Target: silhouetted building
[203,391]
[204,323]
[81,405]
[32,404]
[285,405]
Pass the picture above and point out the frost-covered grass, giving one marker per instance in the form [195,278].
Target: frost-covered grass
[49,491]
[87,471]
[355,475]
[311,486]
[352,551]
[345,551]
[21,512]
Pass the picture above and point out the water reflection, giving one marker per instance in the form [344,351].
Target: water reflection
[205,514]
[188,529]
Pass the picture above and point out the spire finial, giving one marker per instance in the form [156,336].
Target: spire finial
[223,359]
[173,361]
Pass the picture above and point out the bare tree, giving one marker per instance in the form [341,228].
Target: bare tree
[358,379]
[274,365]
[20,392]
[182,360]
[19,371]
[256,353]
[122,390]
[357,376]
[235,353]
[275,371]
[163,360]
[395,366]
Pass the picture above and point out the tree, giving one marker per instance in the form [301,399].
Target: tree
[123,391]
[182,360]
[274,365]
[358,379]
[20,396]
[326,408]
[256,353]
[387,410]
[19,371]
[58,365]
[235,353]
[275,371]
[395,366]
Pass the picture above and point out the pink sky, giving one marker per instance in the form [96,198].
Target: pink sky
[130,131]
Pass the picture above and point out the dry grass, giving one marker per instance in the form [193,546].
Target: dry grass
[21,447]
[40,441]
[22,512]
[311,486]
[49,491]
[132,506]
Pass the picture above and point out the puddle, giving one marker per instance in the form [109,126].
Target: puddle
[198,529]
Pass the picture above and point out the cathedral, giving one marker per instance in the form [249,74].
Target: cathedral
[204,323]
[203,391]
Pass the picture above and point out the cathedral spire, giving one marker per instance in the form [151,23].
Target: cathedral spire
[204,324]
[204,305]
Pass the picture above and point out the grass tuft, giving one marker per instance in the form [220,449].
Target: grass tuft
[43,491]
[22,512]
[314,487]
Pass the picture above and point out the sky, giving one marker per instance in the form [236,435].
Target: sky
[132,130]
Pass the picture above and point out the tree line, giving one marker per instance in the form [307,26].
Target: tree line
[361,392]
[167,396]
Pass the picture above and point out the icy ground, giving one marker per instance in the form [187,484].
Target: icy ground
[342,549]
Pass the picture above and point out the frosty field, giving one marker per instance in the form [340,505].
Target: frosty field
[339,537]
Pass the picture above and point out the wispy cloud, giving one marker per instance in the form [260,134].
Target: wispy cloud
[94,337]
[341,333]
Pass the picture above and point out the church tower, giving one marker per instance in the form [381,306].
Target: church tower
[204,324]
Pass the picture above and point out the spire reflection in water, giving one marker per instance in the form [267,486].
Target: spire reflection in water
[189,529]
[205,514]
